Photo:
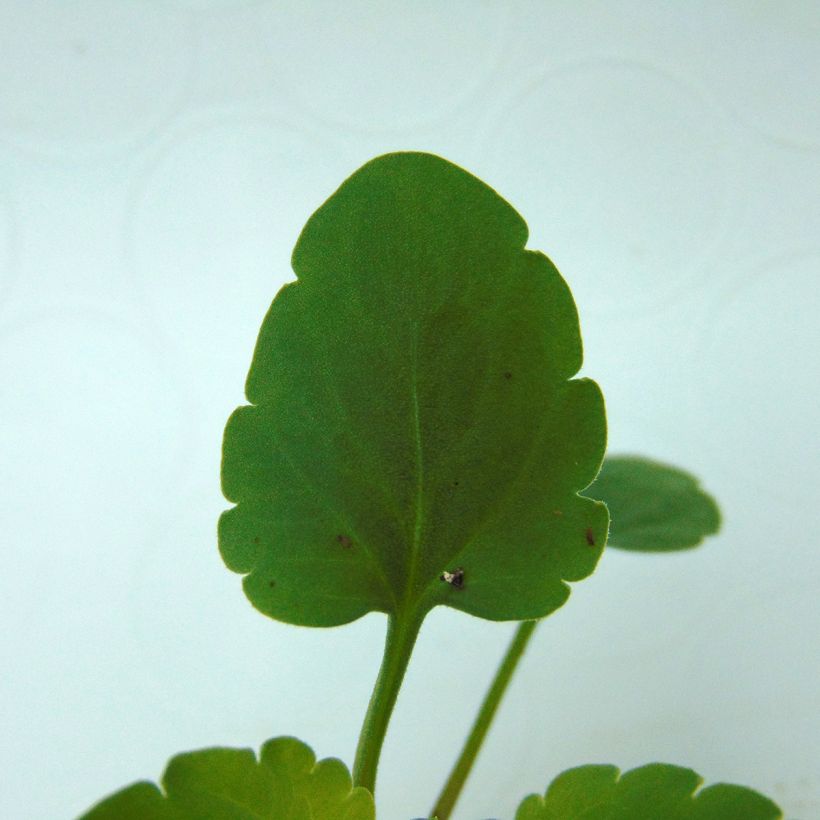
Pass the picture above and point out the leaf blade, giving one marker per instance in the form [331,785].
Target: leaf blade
[417,375]
[139,801]
[655,507]
[656,791]
[284,783]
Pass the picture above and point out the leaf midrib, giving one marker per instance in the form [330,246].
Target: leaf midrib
[415,548]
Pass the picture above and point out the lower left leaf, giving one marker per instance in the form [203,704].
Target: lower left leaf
[284,783]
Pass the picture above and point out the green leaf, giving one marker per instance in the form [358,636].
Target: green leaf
[658,791]
[654,507]
[285,783]
[414,436]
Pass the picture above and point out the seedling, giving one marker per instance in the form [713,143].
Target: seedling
[415,437]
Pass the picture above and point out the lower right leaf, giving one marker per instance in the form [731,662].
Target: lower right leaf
[658,791]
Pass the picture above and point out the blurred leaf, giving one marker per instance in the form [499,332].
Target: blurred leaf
[657,791]
[286,783]
[654,507]
[414,436]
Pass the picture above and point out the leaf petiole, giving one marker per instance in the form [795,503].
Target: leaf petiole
[469,752]
[402,632]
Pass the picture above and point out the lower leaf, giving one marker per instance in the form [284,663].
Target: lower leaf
[284,783]
[657,791]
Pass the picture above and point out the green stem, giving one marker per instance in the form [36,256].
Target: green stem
[464,764]
[401,637]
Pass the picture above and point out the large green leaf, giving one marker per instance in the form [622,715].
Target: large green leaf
[285,783]
[658,791]
[414,437]
[654,507]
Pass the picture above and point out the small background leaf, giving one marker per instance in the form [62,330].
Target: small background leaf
[658,791]
[285,783]
[653,507]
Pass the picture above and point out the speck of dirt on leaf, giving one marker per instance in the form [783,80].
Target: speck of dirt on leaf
[455,483]
[590,537]
[507,375]
[271,584]
[455,578]
[345,540]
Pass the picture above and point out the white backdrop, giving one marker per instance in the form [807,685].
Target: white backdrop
[157,160]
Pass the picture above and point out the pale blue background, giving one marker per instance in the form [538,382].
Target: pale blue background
[157,160]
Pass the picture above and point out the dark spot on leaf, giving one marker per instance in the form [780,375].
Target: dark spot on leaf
[590,537]
[507,375]
[454,579]
[271,584]
[345,541]
[256,540]
[455,483]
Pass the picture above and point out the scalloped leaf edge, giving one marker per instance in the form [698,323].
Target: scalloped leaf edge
[590,792]
[282,766]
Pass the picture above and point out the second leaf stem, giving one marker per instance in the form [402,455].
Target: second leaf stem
[464,764]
